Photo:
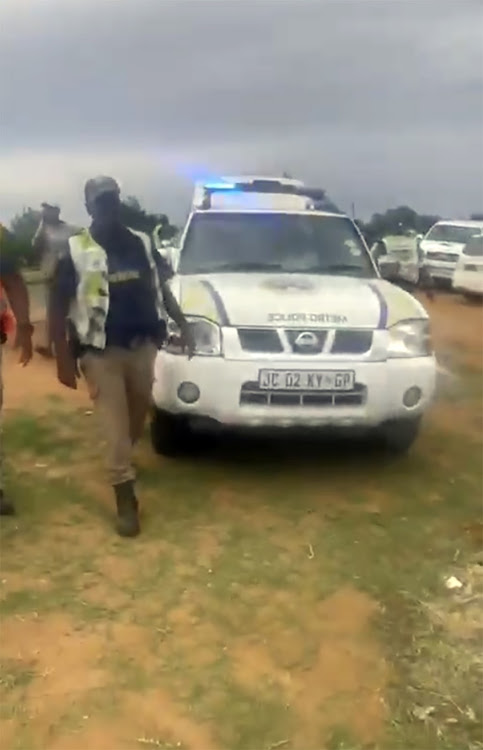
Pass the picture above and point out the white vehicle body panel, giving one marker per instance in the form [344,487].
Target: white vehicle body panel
[266,201]
[468,276]
[404,249]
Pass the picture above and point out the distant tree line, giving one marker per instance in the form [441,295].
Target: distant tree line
[24,225]
[390,222]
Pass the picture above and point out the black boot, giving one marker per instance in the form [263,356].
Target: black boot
[6,507]
[127,509]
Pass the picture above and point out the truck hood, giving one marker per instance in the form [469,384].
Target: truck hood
[292,300]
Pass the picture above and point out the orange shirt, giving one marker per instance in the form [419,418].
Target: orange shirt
[7,319]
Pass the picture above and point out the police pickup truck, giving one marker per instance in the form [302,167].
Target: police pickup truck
[294,326]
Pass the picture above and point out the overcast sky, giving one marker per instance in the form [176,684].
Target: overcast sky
[379,101]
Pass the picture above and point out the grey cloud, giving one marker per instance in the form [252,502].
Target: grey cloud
[205,69]
[353,90]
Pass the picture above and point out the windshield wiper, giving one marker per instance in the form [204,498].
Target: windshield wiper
[243,266]
[341,268]
[336,268]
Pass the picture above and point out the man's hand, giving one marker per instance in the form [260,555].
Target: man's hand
[175,313]
[24,343]
[187,339]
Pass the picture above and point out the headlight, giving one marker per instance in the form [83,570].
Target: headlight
[410,338]
[207,337]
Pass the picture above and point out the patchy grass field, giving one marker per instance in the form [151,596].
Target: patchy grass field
[279,597]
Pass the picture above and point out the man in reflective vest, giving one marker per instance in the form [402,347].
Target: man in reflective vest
[111,308]
[14,292]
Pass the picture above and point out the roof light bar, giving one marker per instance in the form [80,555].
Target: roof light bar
[317,197]
[219,186]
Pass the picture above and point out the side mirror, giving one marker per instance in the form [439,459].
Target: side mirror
[166,250]
[389,269]
[170,254]
[378,251]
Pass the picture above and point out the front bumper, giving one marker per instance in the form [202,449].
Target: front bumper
[440,269]
[468,281]
[228,392]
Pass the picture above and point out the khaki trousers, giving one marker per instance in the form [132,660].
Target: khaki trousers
[120,383]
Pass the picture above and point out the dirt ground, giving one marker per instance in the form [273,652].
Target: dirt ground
[255,611]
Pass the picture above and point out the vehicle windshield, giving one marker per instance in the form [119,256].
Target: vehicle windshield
[451,233]
[278,242]
[474,246]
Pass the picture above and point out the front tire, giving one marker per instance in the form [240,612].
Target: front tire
[170,435]
[399,435]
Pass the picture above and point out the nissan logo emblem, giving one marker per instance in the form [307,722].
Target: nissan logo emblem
[307,341]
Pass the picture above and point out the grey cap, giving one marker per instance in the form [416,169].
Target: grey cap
[97,186]
[52,206]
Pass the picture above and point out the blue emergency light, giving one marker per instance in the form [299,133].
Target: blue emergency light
[317,196]
[219,186]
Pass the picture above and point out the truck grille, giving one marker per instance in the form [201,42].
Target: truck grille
[352,342]
[252,395]
[447,257]
[260,340]
[268,341]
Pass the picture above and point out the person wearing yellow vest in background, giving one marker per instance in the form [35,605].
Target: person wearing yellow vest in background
[49,242]
[111,304]
[14,293]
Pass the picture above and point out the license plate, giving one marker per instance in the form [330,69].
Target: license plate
[306,380]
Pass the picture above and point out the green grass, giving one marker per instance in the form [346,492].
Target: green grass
[14,674]
[242,549]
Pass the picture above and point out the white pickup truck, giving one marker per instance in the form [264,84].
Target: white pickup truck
[442,247]
[294,328]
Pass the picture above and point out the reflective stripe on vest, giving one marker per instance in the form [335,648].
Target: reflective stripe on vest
[90,308]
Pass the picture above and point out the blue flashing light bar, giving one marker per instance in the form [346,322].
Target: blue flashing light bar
[317,196]
[219,186]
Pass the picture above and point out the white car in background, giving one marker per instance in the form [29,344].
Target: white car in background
[468,275]
[443,245]
[294,328]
